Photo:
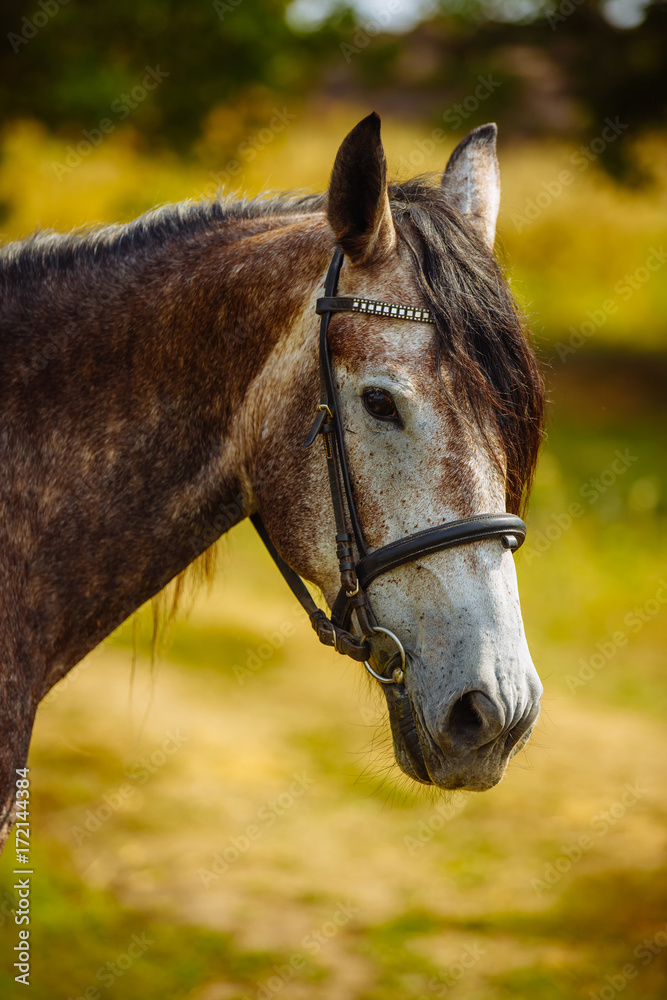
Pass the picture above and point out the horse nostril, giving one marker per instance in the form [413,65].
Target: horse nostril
[474,720]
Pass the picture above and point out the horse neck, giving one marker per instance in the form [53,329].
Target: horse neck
[138,434]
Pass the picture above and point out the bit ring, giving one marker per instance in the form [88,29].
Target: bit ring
[398,674]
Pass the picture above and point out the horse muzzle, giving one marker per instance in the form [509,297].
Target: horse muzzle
[469,743]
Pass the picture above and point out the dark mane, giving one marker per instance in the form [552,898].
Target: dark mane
[48,251]
[481,332]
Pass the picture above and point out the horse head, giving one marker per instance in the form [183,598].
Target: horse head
[439,421]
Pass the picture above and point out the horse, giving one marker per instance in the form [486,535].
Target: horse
[158,379]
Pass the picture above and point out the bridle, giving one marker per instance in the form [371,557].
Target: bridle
[356,576]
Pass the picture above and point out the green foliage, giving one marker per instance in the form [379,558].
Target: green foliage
[562,70]
[70,72]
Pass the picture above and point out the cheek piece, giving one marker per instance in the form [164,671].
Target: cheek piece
[355,576]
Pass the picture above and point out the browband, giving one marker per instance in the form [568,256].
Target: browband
[392,310]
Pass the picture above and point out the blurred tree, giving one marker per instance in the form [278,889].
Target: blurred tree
[557,66]
[608,70]
[65,62]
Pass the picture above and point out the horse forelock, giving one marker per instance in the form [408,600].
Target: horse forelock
[481,333]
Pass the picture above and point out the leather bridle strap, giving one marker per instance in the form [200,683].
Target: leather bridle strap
[328,633]
[355,577]
[509,529]
[326,423]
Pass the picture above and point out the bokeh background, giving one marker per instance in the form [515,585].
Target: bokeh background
[226,821]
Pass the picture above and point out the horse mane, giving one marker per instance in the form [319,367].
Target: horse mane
[481,332]
[48,252]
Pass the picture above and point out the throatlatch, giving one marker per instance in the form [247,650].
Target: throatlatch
[356,576]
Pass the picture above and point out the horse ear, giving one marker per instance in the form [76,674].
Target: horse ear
[471,181]
[358,202]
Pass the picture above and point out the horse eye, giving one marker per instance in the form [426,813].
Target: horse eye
[379,404]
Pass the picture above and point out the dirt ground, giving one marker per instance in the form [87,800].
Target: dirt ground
[261,803]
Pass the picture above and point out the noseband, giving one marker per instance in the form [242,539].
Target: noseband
[356,576]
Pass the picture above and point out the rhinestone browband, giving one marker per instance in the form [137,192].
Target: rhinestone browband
[371,307]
